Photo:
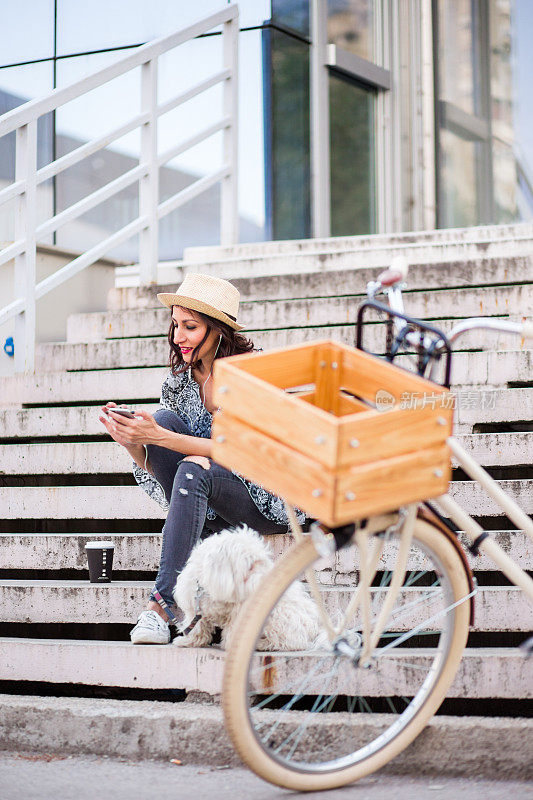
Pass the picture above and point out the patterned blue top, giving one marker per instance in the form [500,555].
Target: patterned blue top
[181,394]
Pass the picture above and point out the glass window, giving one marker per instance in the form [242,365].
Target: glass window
[27,31]
[196,223]
[351,26]
[458,195]
[255,12]
[252,133]
[81,120]
[459,55]
[292,14]
[351,111]
[97,25]
[17,86]
[287,135]
[511,67]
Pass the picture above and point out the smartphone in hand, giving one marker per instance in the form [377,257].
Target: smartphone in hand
[124,412]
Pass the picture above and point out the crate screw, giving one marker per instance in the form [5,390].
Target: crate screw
[317,492]
[223,390]
[354,442]
[349,496]
[320,440]
[334,365]
[322,364]
[441,421]
[221,439]
[438,473]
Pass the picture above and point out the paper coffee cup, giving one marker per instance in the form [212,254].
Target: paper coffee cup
[100,558]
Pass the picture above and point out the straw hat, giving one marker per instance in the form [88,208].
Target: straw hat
[212,296]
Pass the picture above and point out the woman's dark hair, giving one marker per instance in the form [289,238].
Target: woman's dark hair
[232,343]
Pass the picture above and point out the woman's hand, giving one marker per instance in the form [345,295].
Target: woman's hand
[143,429]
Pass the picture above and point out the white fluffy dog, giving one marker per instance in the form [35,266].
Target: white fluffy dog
[221,573]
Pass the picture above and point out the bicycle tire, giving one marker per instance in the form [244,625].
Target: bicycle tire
[330,772]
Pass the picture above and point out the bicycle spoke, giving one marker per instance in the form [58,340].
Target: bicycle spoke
[404,671]
[316,709]
[290,704]
[274,695]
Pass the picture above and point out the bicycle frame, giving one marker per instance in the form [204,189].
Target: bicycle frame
[372,629]
[474,531]
[480,539]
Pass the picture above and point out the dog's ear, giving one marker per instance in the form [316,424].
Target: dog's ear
[217,576]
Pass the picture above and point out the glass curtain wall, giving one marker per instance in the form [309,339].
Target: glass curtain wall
[286,114]
[351,109]
[484,140]
[352,102]
[55,42]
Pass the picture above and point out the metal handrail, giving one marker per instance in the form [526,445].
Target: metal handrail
[23,120]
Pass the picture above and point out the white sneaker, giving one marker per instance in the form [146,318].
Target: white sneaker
[150,629]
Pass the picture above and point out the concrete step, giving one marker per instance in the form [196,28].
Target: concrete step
[324,310]
[67,458]
[55,551]
[498,608]
[146,729]
[317,282]
[487,370]
[374,337]
[135,551]
[490,672]
[79,458]
[490,406]
[473,407]
[60,422]
[78,502]
[154,351]
[121,385]
[130,502]
[450,236]
[499,449]
[349,253]
[477,503]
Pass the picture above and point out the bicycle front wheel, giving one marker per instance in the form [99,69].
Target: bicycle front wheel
[324,717]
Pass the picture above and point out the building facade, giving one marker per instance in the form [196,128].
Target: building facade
[355,116]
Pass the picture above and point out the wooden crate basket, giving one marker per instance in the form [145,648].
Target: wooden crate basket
[337,432]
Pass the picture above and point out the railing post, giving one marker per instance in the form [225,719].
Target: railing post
[149,184]
[229,208]
[24,265]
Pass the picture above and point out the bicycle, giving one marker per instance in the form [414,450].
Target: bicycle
[394,641]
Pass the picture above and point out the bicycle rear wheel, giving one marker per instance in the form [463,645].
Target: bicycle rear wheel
[320,718]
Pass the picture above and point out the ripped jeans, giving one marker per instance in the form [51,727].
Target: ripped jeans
[190,489]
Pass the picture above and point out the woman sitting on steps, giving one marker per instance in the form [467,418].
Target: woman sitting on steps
[172,448]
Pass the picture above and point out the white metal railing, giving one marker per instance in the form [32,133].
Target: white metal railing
[23,120]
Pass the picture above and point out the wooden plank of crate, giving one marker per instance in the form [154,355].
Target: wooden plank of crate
[366,375]
[392,482]
[346,404]
[284,367]
[280,469]
[326,378]
[349,405]
[280,415]
[368,436]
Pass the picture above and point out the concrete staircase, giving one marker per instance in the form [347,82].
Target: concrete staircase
[62,483]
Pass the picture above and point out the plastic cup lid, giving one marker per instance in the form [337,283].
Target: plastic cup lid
[98,545]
